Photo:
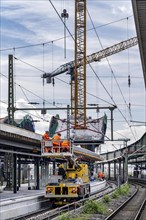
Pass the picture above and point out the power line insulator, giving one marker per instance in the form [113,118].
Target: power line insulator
[64,14]
[129,81]
[43,111]
[33,103]
[53,81]
[129,106]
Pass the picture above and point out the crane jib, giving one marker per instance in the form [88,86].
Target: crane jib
[94,56]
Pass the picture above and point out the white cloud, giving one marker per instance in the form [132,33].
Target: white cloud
[34,22]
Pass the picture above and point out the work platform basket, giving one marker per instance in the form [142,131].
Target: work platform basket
[49,149]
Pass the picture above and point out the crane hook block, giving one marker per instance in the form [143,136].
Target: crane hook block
[48,79]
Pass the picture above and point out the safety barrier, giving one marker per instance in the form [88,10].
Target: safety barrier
[55,148]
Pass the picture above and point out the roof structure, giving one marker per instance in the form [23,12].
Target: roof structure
[139,10]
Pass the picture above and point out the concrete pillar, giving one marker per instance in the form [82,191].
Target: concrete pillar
[35,176]
[37,173]
[119,173]
[96,168]
[8,168]
[28,175]
[123,179]
[1,174]
[43,175]
[46,172]
[109,171]
[126,168]
[114,170]
[19,173]
[103,167]
[119,167]
[54,163]
[15,173]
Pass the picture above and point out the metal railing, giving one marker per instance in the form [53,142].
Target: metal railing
[53,147]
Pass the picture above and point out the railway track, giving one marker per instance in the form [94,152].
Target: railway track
[133,209]
[54,213]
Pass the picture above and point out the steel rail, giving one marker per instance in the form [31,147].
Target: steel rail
[51,214]
[137,217]
[115,213]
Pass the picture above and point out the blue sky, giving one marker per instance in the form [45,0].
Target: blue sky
[33,32]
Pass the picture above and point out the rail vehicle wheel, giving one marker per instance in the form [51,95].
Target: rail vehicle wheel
[52,201]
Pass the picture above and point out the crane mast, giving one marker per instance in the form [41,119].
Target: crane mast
[79,83]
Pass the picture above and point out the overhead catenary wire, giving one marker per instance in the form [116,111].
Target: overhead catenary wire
[26,89]
[113,76]
[53,82]
[97,76]
[59,80]
[73,38]
[61,38]
[100,43]
[29,101]
[107,60]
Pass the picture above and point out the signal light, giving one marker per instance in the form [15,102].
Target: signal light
[49,190]
[74,190]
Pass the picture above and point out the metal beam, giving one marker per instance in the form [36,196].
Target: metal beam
[66,108]
[94,57]
[79,99]
[10,92]
[19,153]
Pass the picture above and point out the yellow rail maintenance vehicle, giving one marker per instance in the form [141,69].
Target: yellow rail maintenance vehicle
[71,183]
[71,179]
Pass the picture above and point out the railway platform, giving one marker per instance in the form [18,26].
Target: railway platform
[23,191]
[23,202]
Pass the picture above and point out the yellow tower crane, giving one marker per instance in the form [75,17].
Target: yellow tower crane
[77,68]
[79,85]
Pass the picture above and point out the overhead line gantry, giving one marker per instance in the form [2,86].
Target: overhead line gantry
[67,67]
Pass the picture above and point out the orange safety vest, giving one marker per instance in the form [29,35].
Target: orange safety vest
[100,175]
[46,137]
[103,175]
[65,144]
[57,138]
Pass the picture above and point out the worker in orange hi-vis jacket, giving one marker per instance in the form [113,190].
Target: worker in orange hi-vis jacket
[103,176]
[56,142]
[100,175]
[65,146]
[46,138]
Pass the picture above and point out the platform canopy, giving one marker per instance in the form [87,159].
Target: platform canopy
[139,11]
